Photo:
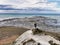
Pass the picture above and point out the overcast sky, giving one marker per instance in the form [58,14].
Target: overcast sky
[18,4]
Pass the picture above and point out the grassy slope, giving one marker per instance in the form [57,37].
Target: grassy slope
[9,34]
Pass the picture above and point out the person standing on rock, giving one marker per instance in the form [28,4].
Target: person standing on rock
[35,25]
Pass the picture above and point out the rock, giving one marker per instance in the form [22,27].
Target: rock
[28,38]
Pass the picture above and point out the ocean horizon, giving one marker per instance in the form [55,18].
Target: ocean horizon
[5,16]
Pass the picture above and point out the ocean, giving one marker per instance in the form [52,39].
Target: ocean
[7,16]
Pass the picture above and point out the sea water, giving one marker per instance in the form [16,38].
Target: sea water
[5,16]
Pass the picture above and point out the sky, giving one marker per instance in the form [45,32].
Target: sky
[15,5]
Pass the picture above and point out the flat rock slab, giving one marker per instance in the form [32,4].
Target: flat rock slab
[30,39]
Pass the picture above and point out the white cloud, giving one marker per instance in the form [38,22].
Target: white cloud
[22,3]
[35,3]
[31,3]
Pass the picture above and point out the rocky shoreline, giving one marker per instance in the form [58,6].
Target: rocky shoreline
[29,23]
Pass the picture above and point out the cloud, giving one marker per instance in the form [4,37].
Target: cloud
[22,4]
[26,3]
[34,3]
